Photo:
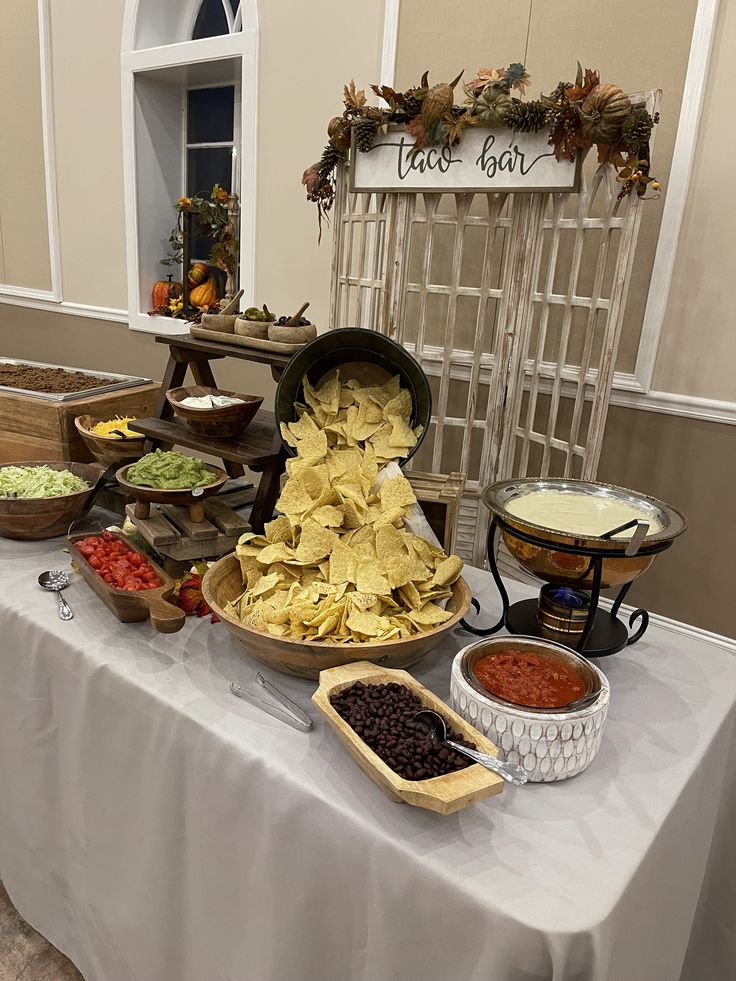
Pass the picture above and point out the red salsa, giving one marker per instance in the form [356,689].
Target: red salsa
[529,679]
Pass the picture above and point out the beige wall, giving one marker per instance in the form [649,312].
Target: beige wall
[697,350]
[24,240]
[85,41]
[690,464]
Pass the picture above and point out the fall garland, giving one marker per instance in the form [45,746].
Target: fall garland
[576,115]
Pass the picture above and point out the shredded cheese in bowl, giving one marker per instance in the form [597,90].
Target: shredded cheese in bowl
[113,427]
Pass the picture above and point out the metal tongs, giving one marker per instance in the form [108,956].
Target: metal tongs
[638,536]
[286,711]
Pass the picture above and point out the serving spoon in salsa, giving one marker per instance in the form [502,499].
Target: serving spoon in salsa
[437,731]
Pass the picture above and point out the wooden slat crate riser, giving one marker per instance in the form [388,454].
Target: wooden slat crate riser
[439,496]
[33,429]
[171,532]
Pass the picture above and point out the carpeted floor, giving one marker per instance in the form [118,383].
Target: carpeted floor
[24,954]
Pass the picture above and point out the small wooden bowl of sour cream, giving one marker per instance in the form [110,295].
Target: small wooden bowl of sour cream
[213,412]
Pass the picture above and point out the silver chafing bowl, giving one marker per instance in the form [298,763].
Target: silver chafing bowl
[568,568]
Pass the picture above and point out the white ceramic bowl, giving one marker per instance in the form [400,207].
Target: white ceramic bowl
[551,745]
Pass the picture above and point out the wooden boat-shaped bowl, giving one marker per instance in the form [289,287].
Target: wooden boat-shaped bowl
[223,422]
[223,582]
[444,794]
[133,607]
[35,518]
[107,449]
[145,496]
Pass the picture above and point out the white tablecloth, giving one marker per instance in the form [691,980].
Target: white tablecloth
[157,829]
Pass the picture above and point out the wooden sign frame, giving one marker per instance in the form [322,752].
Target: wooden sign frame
[484,160]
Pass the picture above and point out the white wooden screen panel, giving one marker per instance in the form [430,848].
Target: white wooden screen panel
[513,305]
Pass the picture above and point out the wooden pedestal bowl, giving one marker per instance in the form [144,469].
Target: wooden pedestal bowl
[146,496]
[219,423]
[36,518]
[109,449]
[223,582]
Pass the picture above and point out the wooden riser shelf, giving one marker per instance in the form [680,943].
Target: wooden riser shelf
[170,531]
[256,447]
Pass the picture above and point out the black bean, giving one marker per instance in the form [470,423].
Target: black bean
[381,715]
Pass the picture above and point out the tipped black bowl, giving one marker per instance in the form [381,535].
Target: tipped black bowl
[364,354]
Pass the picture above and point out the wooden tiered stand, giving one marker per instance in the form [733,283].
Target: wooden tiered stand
[259,448]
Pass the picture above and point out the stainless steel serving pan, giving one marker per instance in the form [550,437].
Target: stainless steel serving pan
[542,559]
[121,381]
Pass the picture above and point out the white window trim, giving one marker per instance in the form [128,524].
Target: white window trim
[243,45]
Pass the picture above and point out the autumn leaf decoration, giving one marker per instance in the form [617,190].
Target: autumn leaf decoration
[188,593]
[575,117]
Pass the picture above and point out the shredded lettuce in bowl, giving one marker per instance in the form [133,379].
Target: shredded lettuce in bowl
[39,482]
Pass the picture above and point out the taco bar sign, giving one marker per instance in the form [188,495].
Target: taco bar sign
[484,160]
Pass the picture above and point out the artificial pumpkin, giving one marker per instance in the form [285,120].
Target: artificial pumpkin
[163,291]
[198,274]
[205,295]
[604,110]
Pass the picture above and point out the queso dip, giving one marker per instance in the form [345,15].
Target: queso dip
[579,514]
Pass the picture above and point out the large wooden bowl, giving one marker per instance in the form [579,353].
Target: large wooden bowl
[305,659]
[145,496]
[36,518]
[219,423]
[109,449]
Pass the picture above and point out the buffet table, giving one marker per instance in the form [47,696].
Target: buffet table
[155,828]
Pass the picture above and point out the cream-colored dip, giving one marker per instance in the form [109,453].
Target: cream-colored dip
[579,514]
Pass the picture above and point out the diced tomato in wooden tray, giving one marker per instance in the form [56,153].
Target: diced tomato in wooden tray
[127,581]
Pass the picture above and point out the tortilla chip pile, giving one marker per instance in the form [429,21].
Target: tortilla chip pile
[338,565]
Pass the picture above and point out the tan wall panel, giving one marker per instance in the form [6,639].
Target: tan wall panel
[308,52]
[24,241]
[697,350]
[690,464]
[89,152]
[447,35]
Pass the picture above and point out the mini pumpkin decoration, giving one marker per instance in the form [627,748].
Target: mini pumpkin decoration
[339,133]
[205,296]
[163,291]
[604,110]
[198,274]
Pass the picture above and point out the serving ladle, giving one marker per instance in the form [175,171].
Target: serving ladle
[54,580]
[437,731]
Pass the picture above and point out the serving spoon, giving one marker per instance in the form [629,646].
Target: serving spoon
[437,731]
[54,580]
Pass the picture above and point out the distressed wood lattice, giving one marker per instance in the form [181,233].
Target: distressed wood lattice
[512,303]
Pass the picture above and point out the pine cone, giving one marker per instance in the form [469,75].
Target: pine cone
[365,130]
[330,158]
[412,105]
[636,130]
[526,117]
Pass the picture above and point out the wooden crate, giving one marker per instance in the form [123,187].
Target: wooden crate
[34,429]
[439,496]
[171,532]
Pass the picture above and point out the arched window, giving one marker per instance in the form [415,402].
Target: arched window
[216,17]
[189,116]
